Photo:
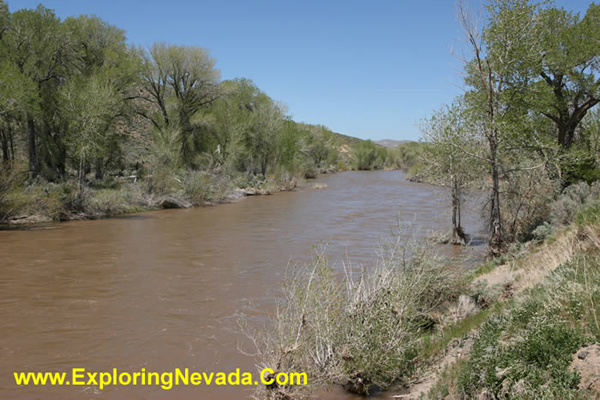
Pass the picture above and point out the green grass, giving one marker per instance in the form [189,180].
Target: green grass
[588,214]
[524,348]
[434,345]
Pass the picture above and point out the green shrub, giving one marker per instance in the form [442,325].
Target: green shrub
[588,214]
[369,155]
[542,231]
[526,351]
[564,209]
[202,188]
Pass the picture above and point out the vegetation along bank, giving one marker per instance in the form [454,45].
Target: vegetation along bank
[91,126]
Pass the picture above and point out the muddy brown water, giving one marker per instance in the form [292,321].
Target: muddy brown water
[165,290]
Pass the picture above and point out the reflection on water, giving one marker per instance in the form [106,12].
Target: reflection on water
[163,290]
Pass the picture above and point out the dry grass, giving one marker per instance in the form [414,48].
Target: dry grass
[359,329]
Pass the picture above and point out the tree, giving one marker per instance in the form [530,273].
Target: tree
[90,105]
[496,90]
[4,18]
[268,122]
[102,64]
[180,82]
[17,93]
[230,119]
[319,145]
[566,65]
[448,137]
[248,118]
[38,45]
[369,155]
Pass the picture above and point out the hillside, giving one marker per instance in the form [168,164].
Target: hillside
[391,143]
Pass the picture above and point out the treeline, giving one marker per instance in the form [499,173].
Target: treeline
[528,124]
[82,113]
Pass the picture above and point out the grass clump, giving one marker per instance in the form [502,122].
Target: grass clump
[361,330]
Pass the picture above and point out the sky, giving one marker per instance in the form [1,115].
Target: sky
[371,69]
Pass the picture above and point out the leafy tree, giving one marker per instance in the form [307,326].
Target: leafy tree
[4,18]
[448,136]
[320,145]
[369,155]
[17,94]
[180,81]
[566,65]
[102,65]
[90,105]
[38,45]
[230,119]
[496,92]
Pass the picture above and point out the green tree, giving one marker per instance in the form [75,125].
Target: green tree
[90,105]
[103,65]
[369,155]
[17,94]
[448,139]
[565,69]
[180,82]
[39,46]
[496,93]
[4,18]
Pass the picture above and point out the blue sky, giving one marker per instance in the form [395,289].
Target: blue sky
[370,69]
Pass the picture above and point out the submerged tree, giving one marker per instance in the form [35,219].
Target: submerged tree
[448,140]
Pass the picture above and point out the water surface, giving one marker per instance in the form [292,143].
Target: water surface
[165,289]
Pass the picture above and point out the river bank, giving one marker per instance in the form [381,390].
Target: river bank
[45,202]
[524,325]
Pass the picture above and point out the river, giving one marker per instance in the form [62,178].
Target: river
[164,290]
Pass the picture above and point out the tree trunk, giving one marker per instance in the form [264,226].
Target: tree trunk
[251,169]
[33,160]
[458,234]
[12,144]
[496,239]
[99,168]
[5,150]
[263,167]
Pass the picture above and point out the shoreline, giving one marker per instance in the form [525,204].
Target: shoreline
[165,202]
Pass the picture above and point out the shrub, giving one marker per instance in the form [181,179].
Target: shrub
[369,155]
[564,209]
[588,214]
[204,188]
[542,231]
[361,330]
[11,181]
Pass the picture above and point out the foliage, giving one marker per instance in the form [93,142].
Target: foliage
[446,157]
[79,104]
[564,210]
[369,155]
[362,329]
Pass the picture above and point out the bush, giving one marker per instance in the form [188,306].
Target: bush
[369,155]
[588,214]
[361,330]
[11,181]
[204,188]
[564,209]
[542,231]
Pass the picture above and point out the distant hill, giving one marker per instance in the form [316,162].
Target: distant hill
[349,140]
[390,142]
